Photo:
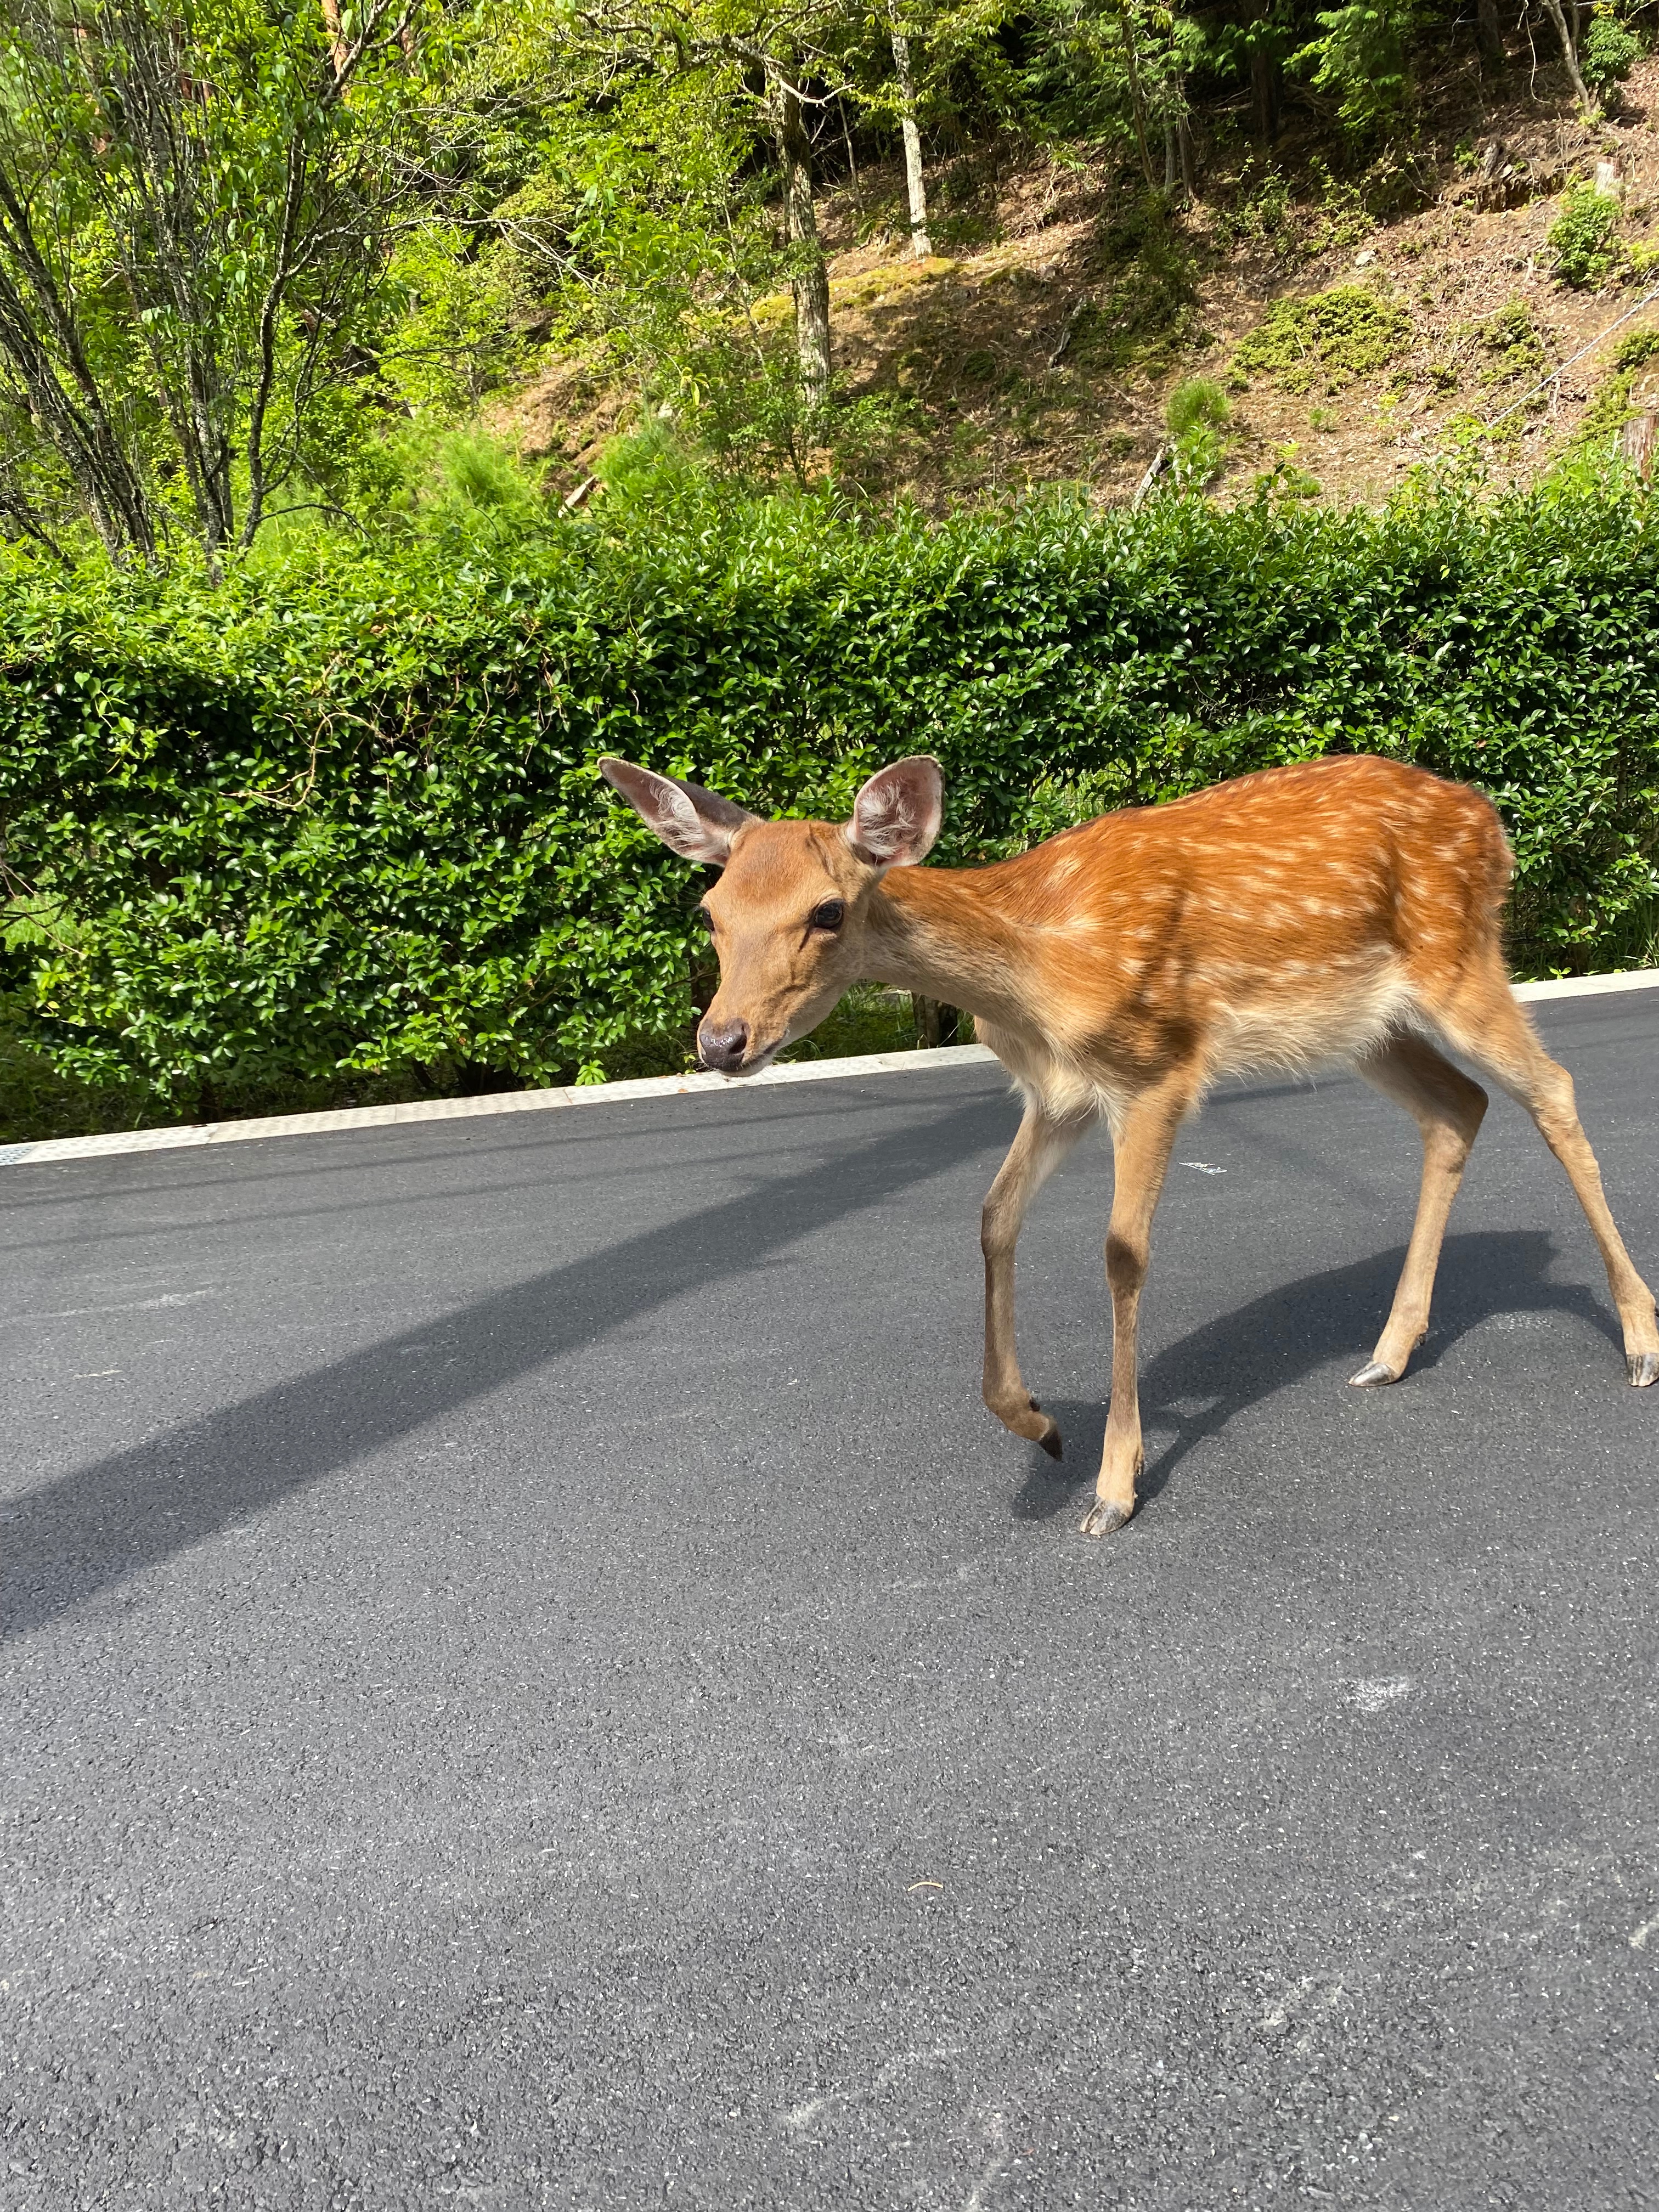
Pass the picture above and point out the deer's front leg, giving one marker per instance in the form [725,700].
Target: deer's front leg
[1041,1143]
[1141,1154]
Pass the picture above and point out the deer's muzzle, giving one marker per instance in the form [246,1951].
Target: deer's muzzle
[721,1045]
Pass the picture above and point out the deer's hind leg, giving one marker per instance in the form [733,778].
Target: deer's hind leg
[1489,1024]
[1040,1145]
[1448,1109]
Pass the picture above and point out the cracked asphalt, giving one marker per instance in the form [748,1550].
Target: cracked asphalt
[531,1681]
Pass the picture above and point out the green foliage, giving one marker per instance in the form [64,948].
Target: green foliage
[341,824]
[1614,402]
[1262,215]
[1329,339]
[1103,72]
[1147,315]
[1196,416]
[1583,240]
[1360,55]
[1343,215]
[1284,484]
[1510,341]
[200,202]
[1609,50]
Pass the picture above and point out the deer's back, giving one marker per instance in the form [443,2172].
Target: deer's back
[1291,915]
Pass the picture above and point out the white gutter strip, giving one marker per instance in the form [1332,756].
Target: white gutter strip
[1589,987]
[607,1094]
[496,1102]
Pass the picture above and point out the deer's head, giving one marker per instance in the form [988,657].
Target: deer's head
[791,911]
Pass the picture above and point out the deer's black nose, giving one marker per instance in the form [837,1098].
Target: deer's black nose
[722,1045]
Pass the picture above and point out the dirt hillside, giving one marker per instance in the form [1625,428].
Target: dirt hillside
[1363,321]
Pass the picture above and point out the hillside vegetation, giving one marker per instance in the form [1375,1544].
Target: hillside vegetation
[266,271]
[1364,309]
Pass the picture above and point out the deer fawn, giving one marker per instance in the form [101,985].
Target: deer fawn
[1348,909]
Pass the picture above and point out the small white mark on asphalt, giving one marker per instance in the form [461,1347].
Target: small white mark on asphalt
[1310,2001]
[1203,1167]
[997,2137]
[1638,1941]
[135,1305]
[1372,1692]
[96,1374]
[802,2116]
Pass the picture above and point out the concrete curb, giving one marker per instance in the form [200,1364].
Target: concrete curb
[605,1094]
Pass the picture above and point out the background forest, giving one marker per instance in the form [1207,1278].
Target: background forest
[259,266]
[401,404]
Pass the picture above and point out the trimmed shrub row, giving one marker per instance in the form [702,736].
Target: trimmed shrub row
[343,818]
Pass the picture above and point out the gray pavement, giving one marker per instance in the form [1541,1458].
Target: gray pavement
[531,1680]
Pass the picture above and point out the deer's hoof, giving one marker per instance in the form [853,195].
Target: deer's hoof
[1372,1376]
[1103,1519]
[1049,1439]
[1643,1367]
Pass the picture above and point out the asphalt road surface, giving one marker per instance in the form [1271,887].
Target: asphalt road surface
[532,1679]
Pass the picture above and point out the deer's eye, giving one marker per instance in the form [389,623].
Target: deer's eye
[830,915]
[706,919]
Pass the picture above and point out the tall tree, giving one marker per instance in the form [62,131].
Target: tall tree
[1567,33]
[1489,34]
[195,199]
[915,187]
[774,62]
[809,272]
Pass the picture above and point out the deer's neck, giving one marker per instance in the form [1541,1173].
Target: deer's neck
[940,932]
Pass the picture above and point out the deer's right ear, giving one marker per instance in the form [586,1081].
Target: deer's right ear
[697,824]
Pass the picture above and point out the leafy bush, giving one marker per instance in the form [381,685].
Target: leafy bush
[1608,50]
[1616,399]
[1332,336]
[1262,215]
[1197,415]
[1512,342]
[1360,57]
[341,823]
[1583,240]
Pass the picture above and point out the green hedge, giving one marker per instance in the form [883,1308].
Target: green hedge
[344,818]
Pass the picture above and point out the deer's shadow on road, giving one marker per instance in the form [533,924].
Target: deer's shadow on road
[1279,1339]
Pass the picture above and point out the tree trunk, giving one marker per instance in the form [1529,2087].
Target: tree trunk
[811,283]
[936,1022]
[38,332]
[1264,94]
[1570,52]
[1178,160]
[1489,34]
[339,46]
[1137,90]
[1636,443]
[920,245]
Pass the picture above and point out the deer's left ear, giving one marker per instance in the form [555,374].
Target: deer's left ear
[697,824]
[897,815]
